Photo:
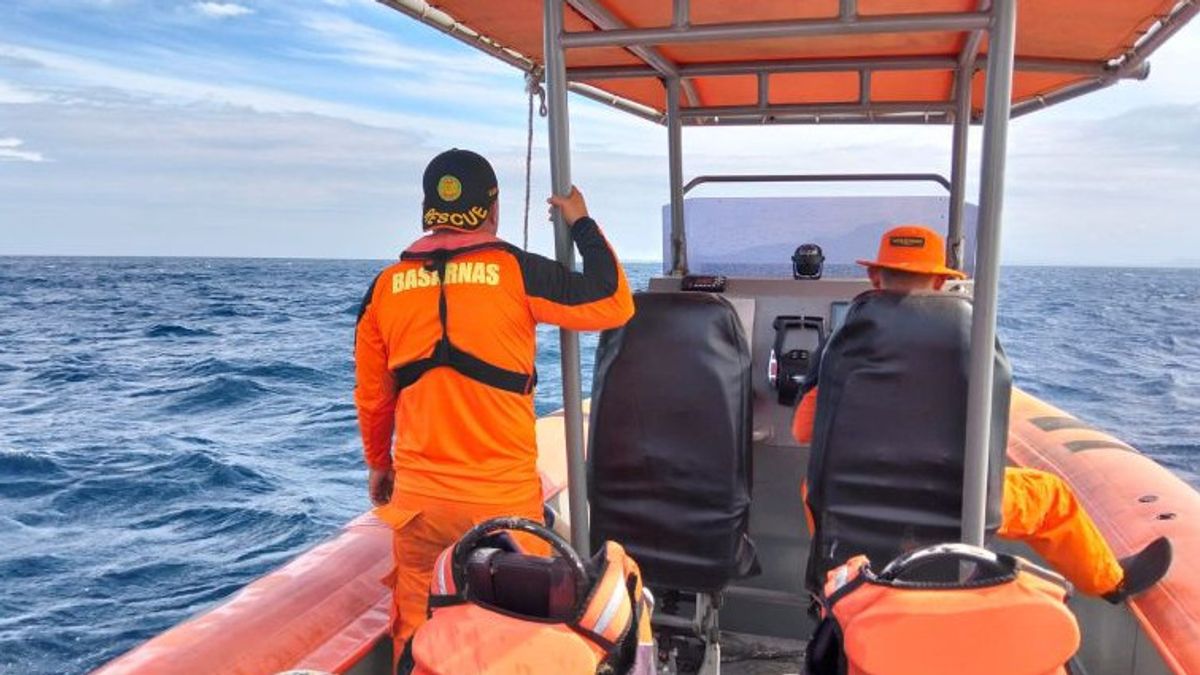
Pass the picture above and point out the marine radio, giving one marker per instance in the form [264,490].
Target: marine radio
[705,283]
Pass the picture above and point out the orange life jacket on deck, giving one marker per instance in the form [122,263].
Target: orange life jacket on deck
[1011,619]
[468,634]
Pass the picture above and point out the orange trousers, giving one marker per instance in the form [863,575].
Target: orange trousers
[1038,508]
[423,527]
[1041,511]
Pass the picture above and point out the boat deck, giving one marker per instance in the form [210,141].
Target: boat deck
[743,654]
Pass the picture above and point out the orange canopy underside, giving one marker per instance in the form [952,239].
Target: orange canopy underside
[1086,31]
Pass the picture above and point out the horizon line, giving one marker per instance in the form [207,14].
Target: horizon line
[637,261]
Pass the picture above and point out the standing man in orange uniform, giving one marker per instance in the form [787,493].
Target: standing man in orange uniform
[444,364]
[1037,508]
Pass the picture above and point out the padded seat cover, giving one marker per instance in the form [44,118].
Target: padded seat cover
[669,466]
[886,469]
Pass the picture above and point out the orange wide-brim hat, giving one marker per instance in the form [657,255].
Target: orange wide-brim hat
[913,248]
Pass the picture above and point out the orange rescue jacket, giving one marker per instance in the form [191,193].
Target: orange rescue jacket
[1014,623]
[444,358]
[466,636]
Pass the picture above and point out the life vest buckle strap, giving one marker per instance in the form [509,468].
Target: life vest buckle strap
[440,601]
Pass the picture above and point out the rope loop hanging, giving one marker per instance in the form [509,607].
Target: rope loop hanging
[533,86]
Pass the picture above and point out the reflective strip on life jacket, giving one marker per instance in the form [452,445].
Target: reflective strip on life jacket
[466,636]
[838,578]
[608,614]
[445,354]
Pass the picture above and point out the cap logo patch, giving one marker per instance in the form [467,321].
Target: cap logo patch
[907,242]
[449,188]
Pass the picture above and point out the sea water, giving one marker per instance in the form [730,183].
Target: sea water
[171,429]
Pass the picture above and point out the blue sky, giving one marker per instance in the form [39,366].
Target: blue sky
[300,128]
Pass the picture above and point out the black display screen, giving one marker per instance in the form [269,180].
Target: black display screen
[837,315]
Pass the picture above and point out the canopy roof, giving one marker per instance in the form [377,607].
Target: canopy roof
[816,60]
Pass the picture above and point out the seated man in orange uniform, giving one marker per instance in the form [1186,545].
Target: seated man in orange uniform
[444,362]
[1037,508]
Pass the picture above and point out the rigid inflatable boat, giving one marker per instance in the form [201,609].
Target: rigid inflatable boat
[709,63]
[327,610]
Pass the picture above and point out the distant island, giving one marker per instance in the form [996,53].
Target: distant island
[749,231]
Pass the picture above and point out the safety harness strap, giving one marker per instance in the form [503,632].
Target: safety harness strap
[445,354]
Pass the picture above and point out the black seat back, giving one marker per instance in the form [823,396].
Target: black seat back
[886,470]
[669,466]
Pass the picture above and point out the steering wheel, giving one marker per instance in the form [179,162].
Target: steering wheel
[998,568]
[476,535]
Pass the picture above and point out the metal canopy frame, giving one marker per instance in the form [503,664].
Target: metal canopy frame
[820,178]
[995,19]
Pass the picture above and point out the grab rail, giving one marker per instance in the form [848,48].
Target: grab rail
[820,178]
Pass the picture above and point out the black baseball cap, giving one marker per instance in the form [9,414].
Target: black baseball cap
[460,191]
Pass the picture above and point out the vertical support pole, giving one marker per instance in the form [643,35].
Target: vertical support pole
[560,177]
[682,14]
[679,264]
[848,10]
[997,103]
[958,165]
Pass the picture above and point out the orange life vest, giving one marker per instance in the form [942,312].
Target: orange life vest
[1013,621]
[444,359]
[466,636]
[445,353]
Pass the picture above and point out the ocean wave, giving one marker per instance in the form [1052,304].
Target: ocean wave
[211,367]
[24,464]
[338,414]
[144,574]
[33,565]
[72,372]
[290,372]
[128,488]
[215,394]
[210,472]
[232,523]
[170,330]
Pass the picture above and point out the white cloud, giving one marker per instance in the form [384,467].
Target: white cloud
[98,78]
[10,151]
[243,181]
[14,94]
[222,10]
[363,45]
